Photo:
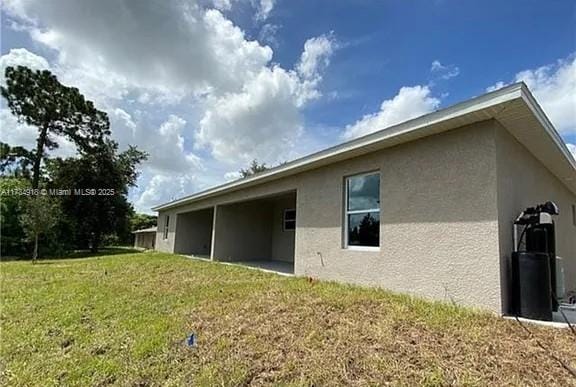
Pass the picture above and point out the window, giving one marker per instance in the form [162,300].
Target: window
[166,224]
[574,214]
[362,218]
[289,221]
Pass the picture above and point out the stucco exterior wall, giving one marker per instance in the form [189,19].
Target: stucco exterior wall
[524,182]
[193,232]
[144,240]
[439,219]
[166,245]
[282,240]
[439,231]
[252,230]
[243,232]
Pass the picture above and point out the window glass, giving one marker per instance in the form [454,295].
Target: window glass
[290,215]
[364,192]
[364,229]
[363,210]
[289,220]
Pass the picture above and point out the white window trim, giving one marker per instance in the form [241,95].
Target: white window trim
[284,220]
[346,213]
[363,211]
[363,248]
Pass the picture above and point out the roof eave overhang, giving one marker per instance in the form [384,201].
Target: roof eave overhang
[547,125]
[485,107]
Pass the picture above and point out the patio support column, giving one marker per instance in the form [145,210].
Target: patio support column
[215,212]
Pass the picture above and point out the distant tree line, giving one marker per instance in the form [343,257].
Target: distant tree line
[38,215]
[141,221]
[255,168]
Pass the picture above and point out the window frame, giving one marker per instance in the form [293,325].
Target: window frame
[166,226]
[284,220]
[347,212]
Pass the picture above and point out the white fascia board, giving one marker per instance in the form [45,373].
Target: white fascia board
[471,106]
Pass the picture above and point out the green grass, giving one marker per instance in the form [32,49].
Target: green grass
[122,319]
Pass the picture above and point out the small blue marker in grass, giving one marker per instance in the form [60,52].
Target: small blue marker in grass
[191,340]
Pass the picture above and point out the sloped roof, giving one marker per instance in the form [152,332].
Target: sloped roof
[513,106]
[149,229]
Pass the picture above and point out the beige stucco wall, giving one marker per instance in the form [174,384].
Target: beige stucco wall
[166,245]
[252,230]
[194,232]
[282,240]
[144,240]
[439,219]
[243,232]
[524,182]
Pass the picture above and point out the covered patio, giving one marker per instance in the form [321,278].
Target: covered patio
[194,233]
[278,267]
[257,233]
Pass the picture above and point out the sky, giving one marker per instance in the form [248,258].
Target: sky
[206,86]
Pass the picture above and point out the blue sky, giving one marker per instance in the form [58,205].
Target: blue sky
[206,86]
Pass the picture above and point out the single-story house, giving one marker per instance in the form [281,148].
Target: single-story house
[145,238]
[425,207]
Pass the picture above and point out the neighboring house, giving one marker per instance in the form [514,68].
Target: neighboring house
[424,207]
[145,238]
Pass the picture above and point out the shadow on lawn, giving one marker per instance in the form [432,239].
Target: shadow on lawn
[77,254]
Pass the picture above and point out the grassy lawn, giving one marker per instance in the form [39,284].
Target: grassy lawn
[123,320]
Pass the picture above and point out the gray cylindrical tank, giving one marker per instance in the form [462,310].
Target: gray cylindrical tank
[532,289]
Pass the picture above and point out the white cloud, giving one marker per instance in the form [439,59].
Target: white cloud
[410,102]
[572,149]
[223,5]
[171,170]
[144,62]
[554,87]
[264,8]
[496,86]
[168,148]
[230,176]
[260,122]
[268,33]
[162,188]
[316,56]
[444,71]
[17,133]
[263,121]
[436,66]
[164,144]
[205,51]
[22,57]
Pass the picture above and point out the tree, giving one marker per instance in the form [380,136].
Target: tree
[369,228]
[11,204]
[39,99]
[253,169]
[141,221]
[99,175]
[40,214]
[101,206]
[15,161]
